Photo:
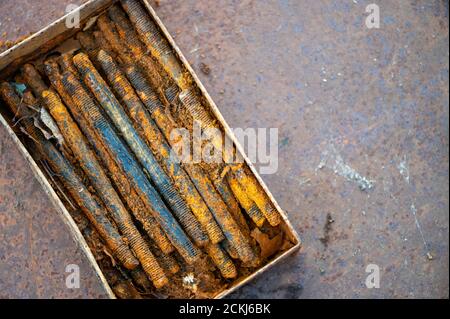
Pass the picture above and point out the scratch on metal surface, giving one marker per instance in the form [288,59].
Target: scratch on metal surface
[304,181]
[403,168]
[419,227]
[333,160]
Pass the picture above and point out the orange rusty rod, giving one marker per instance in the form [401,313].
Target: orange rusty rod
[86,157]
[247,204]
[256,193]
[224,190]
[215,203]
[229,249]
[32,77]
[162,182]
[160,49]
[129,165]
[90,207]
[131,40]
[222,261]
[159,146]
[144,61]
[129,194]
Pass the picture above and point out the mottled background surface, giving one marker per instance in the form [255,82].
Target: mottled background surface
[354,106]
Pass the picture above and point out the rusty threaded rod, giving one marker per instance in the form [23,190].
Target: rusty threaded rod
[86,157]
[130,196]
[159,146]
[151,36]
[247,204]
[126,161]
[256,193]
[90,207]
[144,61]
[227,195]
[222,261]
[131,40]
[32,77]
[112,107]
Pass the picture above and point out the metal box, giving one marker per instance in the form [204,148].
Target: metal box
[50,37]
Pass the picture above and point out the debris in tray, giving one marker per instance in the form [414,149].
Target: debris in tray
[269,246]
[158,227]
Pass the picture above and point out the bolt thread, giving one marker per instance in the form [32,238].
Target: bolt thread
[222,261]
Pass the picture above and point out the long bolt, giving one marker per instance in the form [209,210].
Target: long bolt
[33,79]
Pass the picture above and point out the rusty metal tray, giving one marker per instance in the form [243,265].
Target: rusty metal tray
[49,38]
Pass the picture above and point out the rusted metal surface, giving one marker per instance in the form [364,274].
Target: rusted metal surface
[346,99]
